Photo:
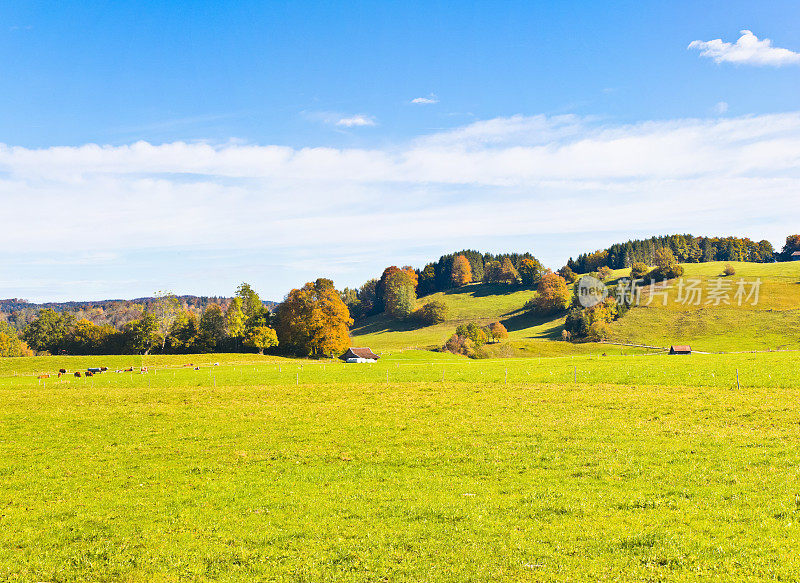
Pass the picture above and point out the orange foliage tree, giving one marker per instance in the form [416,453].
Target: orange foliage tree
[461,272]
[313,320]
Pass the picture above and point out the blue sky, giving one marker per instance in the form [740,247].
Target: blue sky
[279,141]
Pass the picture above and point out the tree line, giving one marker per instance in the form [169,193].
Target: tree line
[685,248]
[311,321]
[399,289]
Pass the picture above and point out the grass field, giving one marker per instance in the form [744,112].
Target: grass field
[423,467]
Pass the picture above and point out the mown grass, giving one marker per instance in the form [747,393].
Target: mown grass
[649,468]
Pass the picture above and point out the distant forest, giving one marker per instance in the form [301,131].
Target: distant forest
[686,248]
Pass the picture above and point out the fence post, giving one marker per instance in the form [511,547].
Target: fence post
[575,373]
[737,380]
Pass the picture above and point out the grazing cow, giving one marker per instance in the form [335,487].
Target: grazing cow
[89,373]
[62,371]
[44,376]
[197,368]
[129,369]
[103,368]
[77,374]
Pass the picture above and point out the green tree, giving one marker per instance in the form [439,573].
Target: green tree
[185,332]
[530,272]
[141,336]
[212,327]
[49,331]
[251,303]
[400,298]
[474,332]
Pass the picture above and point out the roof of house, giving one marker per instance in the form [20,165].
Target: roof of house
[681,348]
[359,353]
[796,254]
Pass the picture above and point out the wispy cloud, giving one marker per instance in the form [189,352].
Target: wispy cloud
[748,50]
[535,175]
[355,121]
[430,100]
[721,108]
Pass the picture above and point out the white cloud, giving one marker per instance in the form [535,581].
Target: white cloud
[430,100]
[353,121]
[535,176]
[748,50]
[721,108]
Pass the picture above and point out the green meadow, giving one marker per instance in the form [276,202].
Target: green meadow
[423,467]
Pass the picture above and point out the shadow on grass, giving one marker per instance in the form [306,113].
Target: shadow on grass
[523,320]
[381,323]
[483,290]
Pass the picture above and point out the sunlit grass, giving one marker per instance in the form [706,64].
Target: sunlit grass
[648,468]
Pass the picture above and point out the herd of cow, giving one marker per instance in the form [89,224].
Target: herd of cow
[90,372]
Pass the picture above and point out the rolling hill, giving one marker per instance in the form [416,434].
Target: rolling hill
[772,324]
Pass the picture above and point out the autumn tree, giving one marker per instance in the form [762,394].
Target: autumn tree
[552,295]
[10,344]
[261,337]
[141,336]
[313,320]
[235,318]
[497,331]
[400,297]
[461,271]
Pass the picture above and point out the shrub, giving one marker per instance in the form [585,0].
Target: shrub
[639,270]
[729,270]
[603,272]
[458,344]
[433,312]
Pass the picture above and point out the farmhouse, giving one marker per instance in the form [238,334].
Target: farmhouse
[680,349]
[796,256]
[359,355]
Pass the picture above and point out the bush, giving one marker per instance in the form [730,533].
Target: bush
[433,312]
[729,270]
[639,270]
[603,272]
[458,344]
